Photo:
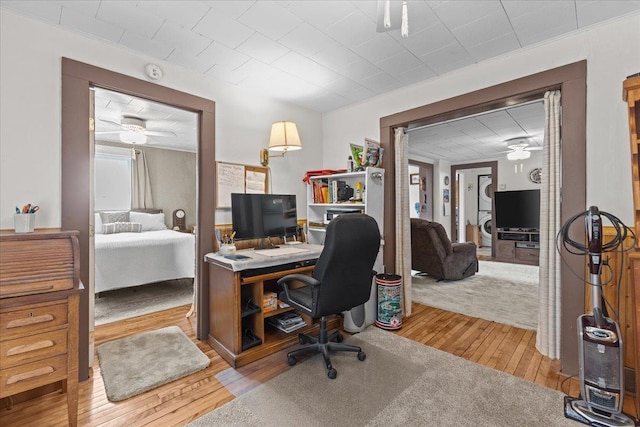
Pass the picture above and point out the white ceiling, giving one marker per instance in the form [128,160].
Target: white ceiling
[321,55]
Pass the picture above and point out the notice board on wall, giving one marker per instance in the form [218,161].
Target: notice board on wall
[239,178]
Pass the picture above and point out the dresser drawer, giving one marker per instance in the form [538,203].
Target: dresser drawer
[31,348]
[31,375]
[31,319]
[37,287]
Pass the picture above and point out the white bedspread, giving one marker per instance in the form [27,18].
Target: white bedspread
[130,259]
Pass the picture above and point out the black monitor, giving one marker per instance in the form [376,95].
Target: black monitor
[519,210]
[258,216]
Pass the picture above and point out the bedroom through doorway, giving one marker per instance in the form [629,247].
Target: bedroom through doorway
[144,169]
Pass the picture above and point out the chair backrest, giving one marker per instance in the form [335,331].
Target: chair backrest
[431,237]
[345,265]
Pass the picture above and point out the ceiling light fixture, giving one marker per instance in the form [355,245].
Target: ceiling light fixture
[284,137]
[518,154]
[133,137]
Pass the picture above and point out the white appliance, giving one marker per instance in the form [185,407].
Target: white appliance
[485,193]
[484,221]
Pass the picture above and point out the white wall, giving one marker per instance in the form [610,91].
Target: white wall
[30,114]
[414,193]
[611,53]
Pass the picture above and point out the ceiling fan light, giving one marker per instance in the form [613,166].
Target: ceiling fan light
[132,137]
[518,155]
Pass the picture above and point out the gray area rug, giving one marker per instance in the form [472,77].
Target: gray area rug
[439,390]
[135,364]
[499,292]
[125,303]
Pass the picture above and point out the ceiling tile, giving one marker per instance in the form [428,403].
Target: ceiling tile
[378,48]
[223,55]
[429,40]
[380,82]
[85,7]
[353,30]
[227,74]
[415,75]
[349,89]
[147,46]
[485,28]
[262,48]
[306,40]
[44,10]
[270,19]
[356,70]
[230,8]
[188,42]
[89,25]
[184,13]
[129,17]
[447,58]
[399,63]
[318,14]
[455,14]
[493,48]
[223,29]
[548,19]
[311,71]
[199,64]
[590,12]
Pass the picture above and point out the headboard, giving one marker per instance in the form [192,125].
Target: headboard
[149,211]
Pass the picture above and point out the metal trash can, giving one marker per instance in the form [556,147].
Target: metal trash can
[389,301]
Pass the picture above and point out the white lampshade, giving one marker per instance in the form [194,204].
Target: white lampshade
[519,155]
[284,137]
[132,137]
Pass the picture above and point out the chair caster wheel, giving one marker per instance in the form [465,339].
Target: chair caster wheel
[361,356]
[332,373]
[339,337]
[291,360]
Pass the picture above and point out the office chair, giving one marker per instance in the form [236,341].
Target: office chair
[341,280]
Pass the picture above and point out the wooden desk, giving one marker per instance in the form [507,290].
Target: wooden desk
[39,314]
[233,283]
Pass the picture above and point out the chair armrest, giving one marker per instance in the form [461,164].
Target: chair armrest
[306,280]
[466,247]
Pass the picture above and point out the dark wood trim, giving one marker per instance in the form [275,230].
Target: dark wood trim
[77,80]
[571,80]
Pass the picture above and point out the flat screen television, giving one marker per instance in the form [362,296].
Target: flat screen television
[517,210]
[258,216]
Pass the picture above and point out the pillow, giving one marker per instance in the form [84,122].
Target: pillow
[97,224]
[150,222]
[121,227]
[114,216]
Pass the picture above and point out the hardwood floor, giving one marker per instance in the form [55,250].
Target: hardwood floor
[497,346]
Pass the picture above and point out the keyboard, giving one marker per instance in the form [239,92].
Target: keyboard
[275,268]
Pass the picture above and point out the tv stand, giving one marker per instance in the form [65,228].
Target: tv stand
[518,246]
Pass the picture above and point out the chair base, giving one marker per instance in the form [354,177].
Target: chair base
[324,344]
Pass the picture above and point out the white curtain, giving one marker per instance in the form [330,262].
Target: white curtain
[403,225]
[548,336]
[141,194]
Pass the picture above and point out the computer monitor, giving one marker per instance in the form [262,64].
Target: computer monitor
[259,216]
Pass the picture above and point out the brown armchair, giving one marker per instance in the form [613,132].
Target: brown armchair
[432,252]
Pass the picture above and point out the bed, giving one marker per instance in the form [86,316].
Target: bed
[140,251]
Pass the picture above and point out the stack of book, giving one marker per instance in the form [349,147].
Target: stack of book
[287,322]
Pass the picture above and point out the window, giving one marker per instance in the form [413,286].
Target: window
[112,172]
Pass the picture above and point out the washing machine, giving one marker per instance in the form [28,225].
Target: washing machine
[484,221]
[485,193]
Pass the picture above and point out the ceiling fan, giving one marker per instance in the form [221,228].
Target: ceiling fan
[519,148]
[133,130]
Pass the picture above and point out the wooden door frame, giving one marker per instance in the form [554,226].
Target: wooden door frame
[77,80]
[494,185]
[571,80]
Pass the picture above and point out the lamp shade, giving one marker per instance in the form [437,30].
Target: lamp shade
[284,137]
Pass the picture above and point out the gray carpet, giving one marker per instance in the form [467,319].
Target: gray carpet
[499,292]
[125,303]
[135,364]
[437,389]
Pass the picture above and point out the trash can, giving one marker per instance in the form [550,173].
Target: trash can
[389,301]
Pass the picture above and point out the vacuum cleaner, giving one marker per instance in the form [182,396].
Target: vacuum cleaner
[599,340]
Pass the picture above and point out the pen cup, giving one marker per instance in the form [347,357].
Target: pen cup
[24,223]
[227,249]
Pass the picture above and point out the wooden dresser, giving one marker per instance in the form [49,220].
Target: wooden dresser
[39,306]
[631,95]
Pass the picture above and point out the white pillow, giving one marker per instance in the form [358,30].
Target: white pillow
[150,222]
[97,224]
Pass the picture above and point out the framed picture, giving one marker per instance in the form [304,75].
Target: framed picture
[414,179]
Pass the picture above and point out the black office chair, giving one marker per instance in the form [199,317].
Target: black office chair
[341,280]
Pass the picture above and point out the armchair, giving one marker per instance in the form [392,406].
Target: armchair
[432,252]
[341,280]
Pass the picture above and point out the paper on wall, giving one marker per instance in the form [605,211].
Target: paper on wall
[255,182]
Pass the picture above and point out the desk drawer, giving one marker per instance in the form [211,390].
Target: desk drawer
[25,377]
[34,347]
[31,319]
[36,287]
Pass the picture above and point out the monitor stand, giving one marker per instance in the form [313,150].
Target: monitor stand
[265,243]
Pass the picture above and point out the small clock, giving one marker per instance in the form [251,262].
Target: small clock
[535,175]
[179,219]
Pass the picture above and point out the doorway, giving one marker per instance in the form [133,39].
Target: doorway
[77,80]
[571,81]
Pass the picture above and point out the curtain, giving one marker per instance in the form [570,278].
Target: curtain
[548,336]
[403,225]
[141,194]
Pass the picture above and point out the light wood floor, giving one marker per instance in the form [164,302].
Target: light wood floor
[501,347]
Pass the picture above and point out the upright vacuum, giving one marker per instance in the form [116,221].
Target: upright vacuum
[599,339]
